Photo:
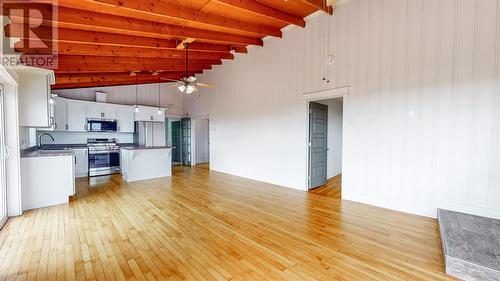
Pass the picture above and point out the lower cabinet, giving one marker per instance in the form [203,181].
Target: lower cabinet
[46,181]
[81,162]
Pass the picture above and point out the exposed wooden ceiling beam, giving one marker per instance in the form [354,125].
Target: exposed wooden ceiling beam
[263,10]
[132,60]
[94,21]
[104,84]
[319,5]
[119,51]
[116,77]
[99,67]
[72,81]
[168,13]
[182,45]
[100,38]
[240,49]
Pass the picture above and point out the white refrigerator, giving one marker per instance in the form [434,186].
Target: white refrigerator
[149,134]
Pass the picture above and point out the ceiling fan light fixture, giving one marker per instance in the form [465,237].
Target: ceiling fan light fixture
[160,111]
[190,89]
[136,109]
[182,88]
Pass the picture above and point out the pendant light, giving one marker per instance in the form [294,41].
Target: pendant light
[159,108]
[136,96]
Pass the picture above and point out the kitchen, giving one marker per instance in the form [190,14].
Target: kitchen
[95,137]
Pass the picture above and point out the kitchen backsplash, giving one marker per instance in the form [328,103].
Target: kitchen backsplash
[81,137]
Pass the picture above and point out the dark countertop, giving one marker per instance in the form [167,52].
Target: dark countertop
[135,147]
[35,152]
[64,146]
[61,149]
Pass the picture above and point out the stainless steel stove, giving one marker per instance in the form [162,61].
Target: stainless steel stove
[104,157]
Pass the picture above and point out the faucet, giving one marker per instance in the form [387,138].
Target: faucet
[40,139]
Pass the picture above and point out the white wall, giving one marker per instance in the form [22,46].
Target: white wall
[170,98]
[334,156]
[422,120]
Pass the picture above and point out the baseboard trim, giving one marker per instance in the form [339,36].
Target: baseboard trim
[469,209]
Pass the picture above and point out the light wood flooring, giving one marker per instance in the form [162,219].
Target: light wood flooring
[202,225]
[332,188]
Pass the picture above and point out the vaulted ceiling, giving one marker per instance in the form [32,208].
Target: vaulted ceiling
[100,42]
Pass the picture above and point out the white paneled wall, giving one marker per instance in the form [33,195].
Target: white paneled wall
[422,120]
[148,95]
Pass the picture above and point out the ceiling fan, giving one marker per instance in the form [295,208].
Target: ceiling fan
[188,84]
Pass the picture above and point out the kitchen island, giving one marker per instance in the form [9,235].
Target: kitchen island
[144,163]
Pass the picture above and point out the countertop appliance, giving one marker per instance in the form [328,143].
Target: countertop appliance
[104,157]
[102,125]
[149,134]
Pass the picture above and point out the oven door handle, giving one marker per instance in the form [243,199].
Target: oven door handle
[94,152]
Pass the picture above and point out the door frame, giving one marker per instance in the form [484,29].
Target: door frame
[341,92]
[12,163]
[3,167]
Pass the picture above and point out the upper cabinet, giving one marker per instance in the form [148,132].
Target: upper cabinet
[33,97]
[60,115]
[150,114]
[77,121]
[71,115]
[109,111]
[94,110]
[125,117]
[101,111]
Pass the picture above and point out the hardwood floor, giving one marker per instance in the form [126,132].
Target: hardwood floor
[202,225]
[332,188]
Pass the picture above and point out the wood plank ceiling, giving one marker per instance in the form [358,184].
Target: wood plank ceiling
[100,42]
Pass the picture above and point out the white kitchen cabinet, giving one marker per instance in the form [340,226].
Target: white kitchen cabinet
[77,121]
[149,114]
[125,116]
[60,114]
[109,111]
[33,97]
[94,110]
[81,162]
[144,114]
[101,111]
[47,181]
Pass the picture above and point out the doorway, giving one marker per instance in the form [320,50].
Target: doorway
[201,141]
[325,146]
[173,135]
[3,156]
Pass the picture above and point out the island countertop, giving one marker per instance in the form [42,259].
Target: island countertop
[146,147]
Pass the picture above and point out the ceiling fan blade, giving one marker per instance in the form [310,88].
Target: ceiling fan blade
[191,79]
[206,85]
[173,86]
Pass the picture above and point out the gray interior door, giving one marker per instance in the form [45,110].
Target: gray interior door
[318,144]
[186,141]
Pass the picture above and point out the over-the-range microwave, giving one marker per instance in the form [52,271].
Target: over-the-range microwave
[102,125]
